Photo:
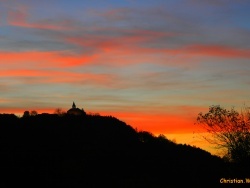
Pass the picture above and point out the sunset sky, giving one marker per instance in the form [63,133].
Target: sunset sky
[154,64]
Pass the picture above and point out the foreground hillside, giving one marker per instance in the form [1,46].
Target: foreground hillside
[96,151]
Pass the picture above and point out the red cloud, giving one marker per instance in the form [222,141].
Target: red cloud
[217,51]
[129,41]
[43,76]
[50,59]
[136,42]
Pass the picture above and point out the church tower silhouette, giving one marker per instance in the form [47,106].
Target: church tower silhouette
[75,111]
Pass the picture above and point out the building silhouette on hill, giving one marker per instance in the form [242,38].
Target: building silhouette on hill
[76,111]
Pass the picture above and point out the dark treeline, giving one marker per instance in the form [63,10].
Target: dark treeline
[96,151]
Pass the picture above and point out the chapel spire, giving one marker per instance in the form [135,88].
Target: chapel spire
[73,105]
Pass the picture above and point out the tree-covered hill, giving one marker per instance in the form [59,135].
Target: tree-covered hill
[96,151]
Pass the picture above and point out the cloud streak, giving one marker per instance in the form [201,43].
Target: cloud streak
[20,18]
[49,77]
[45,59]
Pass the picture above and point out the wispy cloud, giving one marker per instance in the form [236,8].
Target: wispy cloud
[45,59]
[48,76]
[218,51]
[20,17]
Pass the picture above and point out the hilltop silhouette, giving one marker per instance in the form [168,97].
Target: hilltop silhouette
[98,151]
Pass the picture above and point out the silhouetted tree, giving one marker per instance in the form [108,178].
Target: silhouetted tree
[145,136]
[33,113]
[26,114]
[230,130]
[59,112]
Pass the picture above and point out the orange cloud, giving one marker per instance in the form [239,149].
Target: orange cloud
[48,76]
[128,41]
[218,51]
[135,43]
[44,59]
